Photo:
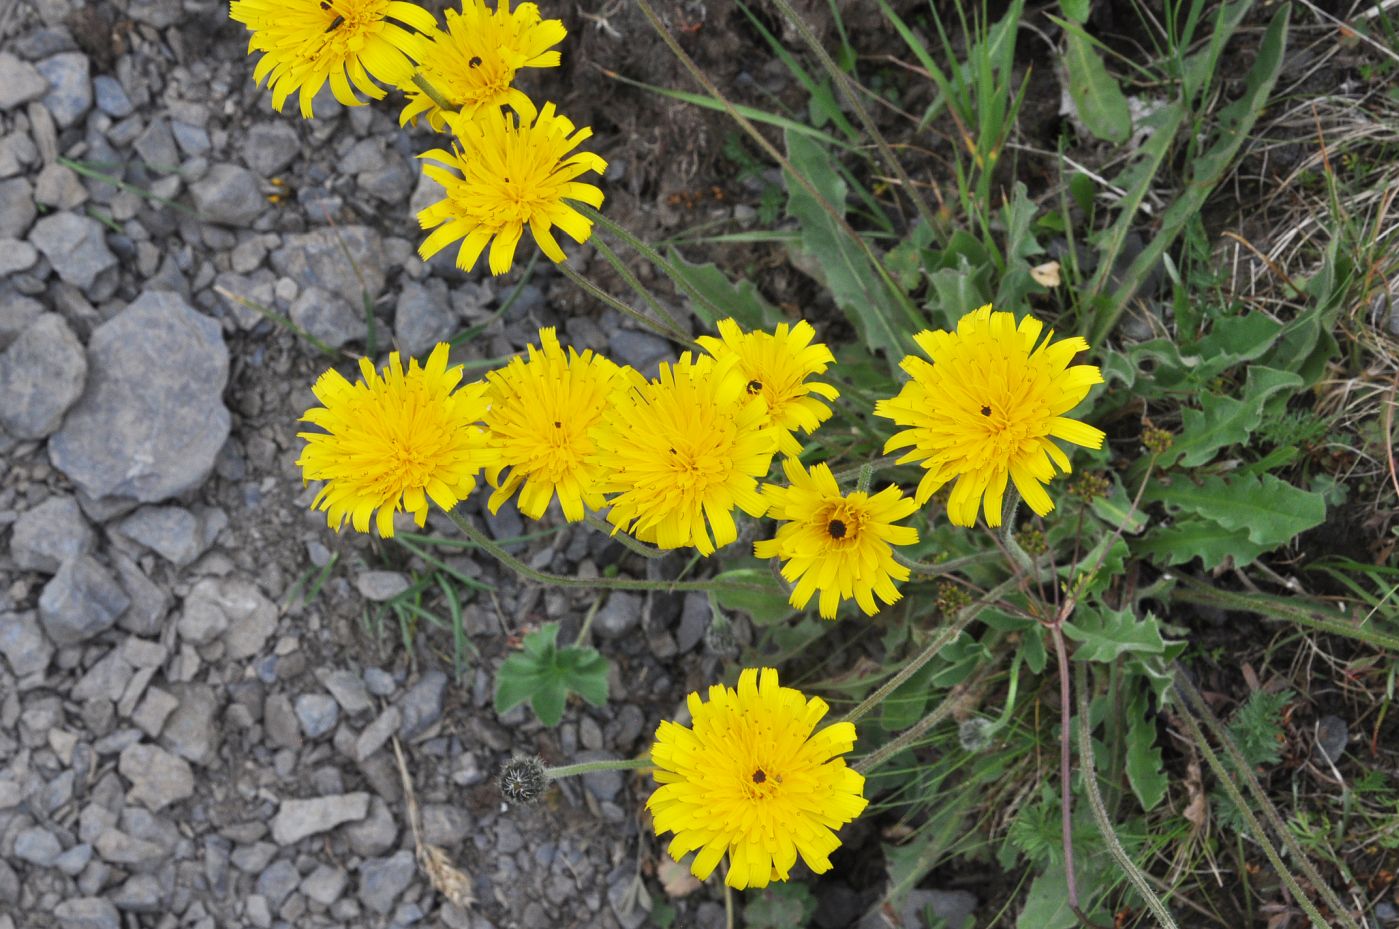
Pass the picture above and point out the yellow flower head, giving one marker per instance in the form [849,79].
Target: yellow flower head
[350,43]
[684,448]
[839,545]
[541,414]
[507,173]
[987,408]
[750,777]
[473,62]
[777,365]
[394,441]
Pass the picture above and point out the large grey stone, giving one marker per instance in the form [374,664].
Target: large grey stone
[87,913]
[37,846]
[17,313]
[157,777]
[20,82]
[156,146]
[421,706]
[23,644]
[191,731]
[318,714]
[228,194]
[152,419]
[69,96]
[41,376]
[619,615]
[423,318]
[81,601]
[328,316]
[297,819]
[318,259]
[175,533]
[17,209]
[49,534]
[270,147]
[381,880]
[16,256]
[75,246]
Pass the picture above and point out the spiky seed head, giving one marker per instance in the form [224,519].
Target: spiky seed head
[523,779]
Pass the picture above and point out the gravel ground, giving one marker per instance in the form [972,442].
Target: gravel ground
[183,741]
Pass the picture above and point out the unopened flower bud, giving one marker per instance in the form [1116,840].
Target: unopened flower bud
[522,779]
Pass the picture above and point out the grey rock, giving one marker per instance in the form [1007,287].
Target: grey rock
[277,881]
[192,140]
[75,246]
[391,180]
[328,316]
[173,532]
[641,350]
[382,880]
[41,376]
[17,313]
[376,834]
[325,884]
[74,860]
[318,714]
[318,259]
[158,13]
[152,419]
[20,82]
[157,777]
[154,710]
[16,256]
[257,911]
[111,97]
[149,603]
[70,87]
[140,893]
[694,620]
[229,194]
[297,819]
[379,682]
[23,644]
[279,719]
[381,585]
[619,615]
[423,318]
[17,210]
[1332,735]
[37,846]
[58,187]
[955,907]
[421,706]
[156,146]
[81,601]
[1386,912]
[446,824]
[604,785]
[377,733]
[87,913]
[191,732]
[347,688]
[270,147]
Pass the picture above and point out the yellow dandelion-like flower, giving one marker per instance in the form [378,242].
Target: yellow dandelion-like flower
[473,62]
[350,43]
[678,453]
[509,173]
[839,545]
[777,365]
[750,776]
[542,412]
[986,410]
[394,441]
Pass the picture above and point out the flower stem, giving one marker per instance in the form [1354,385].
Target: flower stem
[478,538]
[596,291]
[435,95]
[625,274]
[635,545]
[939,642]
[589,767]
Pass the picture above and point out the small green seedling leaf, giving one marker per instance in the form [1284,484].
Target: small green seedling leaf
[545,674]
[1106,634]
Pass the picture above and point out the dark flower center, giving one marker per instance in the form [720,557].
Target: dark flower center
[759,776]
[985,411]
[475,61]
[836,528]
[755,387]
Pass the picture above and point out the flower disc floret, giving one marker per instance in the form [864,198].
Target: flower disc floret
[473,62]
[680,452]
[986,408]
[776,365]
[504,173]
[839,545]
[350,43]
[752,777]
[394,441]
[542,413]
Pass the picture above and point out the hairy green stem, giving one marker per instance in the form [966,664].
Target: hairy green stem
[1066,811]
[435,95]
[631,280]
[1100,812]
[910,735]
[1194,700]
[636,545]
[597,292]
[589,767]
[478,538]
